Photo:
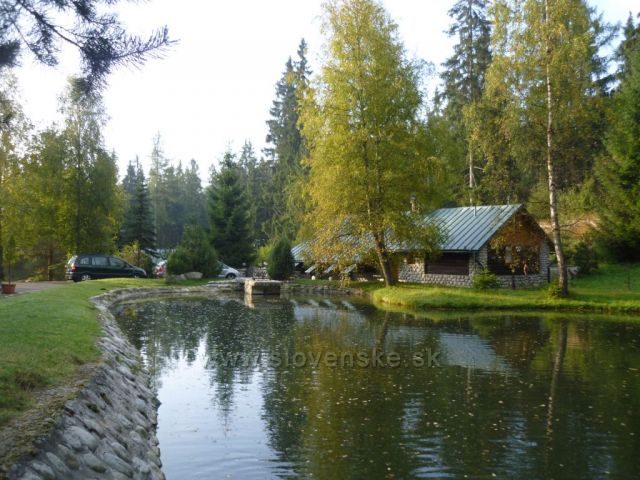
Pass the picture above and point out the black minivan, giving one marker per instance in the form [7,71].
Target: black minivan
[89,266]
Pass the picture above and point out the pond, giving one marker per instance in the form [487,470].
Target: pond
[331,388]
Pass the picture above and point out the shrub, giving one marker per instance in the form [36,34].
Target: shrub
[179,262]
[485,280]
[584,256]
[281,260]
[263,255]
[134,255]
[194,254]
[554,290]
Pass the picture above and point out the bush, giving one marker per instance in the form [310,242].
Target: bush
[263,255]
[485,280]
[584,256]
[194,254]
[554,290]
[134,255]
[281,260]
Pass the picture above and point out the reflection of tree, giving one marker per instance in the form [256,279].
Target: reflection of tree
[555,374]
[570,396]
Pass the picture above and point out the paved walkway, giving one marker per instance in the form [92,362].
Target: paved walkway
[26,287]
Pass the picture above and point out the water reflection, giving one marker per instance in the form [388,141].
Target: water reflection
[507,396]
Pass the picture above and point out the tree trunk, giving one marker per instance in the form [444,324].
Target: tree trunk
[383,259]
[553,194]
[50,264]
[1,249]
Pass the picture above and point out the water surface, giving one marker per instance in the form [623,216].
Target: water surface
[256,393]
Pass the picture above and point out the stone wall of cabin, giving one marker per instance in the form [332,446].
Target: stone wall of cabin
[415,273]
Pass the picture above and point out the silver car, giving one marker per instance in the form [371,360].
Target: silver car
[228,272]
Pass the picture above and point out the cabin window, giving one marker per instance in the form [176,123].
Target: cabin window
[514,259]
[448,264]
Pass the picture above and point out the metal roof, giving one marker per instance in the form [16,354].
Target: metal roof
[298,251]
[467,229]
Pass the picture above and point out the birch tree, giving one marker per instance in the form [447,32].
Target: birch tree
[364,136]
[541,87]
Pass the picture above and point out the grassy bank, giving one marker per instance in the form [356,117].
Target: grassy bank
[613,288]
[45,336]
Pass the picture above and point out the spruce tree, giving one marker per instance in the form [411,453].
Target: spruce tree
[96,32]
[286,148]
[464,75]
[230,217]
[138,221]
[619,170]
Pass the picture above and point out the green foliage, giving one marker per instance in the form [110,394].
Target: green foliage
[257,177]
[583,256]
[133,254]
[138,222]
[280,264]
[94,30]
[194,254]
[180,261]
[485,280]
[90,210]
[554,290]
[508,124]
[367,154]
[177,197]
[263,254]
[230,218]
[619,170]
[463,83]
[287,148]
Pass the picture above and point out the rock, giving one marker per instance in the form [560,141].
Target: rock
[193,275]
[57,464]
[93,462]
[43,470]
[141,466]
[85,438]
[30,476]
[118,464]
[120,450]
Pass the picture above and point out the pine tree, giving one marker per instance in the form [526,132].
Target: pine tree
[138,220]
[619,170]
[129,181]
[628,46]
[286,143]
[96,33]
[230,215]
[464,74]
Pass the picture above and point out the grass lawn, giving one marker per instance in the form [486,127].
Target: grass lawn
[46,335]
[613,288]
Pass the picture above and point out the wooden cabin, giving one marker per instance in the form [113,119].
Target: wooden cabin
[505,239]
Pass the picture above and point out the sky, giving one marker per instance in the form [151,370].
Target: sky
[214,88]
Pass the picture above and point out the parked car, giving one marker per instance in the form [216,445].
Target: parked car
[95,266]
[228,272]
[160,270]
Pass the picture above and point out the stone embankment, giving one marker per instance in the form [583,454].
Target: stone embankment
[108,431]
